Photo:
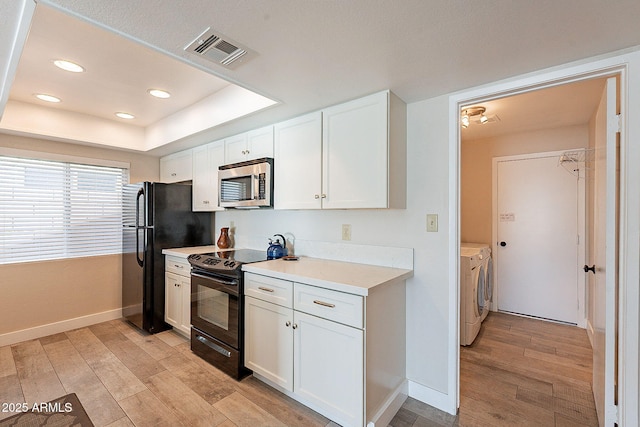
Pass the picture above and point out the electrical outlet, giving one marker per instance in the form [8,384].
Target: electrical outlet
[346,231]
[432,223]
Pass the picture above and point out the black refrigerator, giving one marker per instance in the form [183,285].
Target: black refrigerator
[156,216]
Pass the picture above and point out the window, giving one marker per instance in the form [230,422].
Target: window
[58,209]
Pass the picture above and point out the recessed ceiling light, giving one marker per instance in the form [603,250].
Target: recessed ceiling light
[47,98]
[68,66]
[125,116]
[159,93]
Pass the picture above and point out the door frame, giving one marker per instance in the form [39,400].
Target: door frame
[614,64]
[581,248]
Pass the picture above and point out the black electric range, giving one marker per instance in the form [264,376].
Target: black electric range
[217,307]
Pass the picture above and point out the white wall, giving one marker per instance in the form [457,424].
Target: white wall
[427,291]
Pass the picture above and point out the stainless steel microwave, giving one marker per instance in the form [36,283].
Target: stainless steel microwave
[246,184]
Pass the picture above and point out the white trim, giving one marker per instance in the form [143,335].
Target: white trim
[7,75]
[16,152]
[390,407]
[435,398]
[57,327]
[615,63]
[581,311]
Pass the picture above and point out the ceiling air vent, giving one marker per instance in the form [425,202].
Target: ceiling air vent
[218,48]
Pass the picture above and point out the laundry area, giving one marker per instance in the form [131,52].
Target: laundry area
[531,200]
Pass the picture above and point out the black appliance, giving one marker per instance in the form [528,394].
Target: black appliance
[156,216]
[217,308]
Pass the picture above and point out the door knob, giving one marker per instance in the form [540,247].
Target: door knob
[587,269]
[503,244]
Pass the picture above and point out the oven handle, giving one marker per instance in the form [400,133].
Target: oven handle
[213,346]
[233,282]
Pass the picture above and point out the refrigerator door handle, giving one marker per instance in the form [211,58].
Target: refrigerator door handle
[140,194]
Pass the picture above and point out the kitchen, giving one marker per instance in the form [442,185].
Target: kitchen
[430,347]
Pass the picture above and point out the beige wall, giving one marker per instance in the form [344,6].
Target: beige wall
[476,171]
[39,293]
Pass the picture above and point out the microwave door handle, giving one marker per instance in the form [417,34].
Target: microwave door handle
[255,186]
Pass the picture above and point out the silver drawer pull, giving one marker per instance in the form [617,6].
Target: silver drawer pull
[178,266]
[265,289]
[324,304]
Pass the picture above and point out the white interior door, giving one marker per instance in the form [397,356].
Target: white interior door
[605,315]
[537,233]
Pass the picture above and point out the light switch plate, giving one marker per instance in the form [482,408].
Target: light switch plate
[432,223]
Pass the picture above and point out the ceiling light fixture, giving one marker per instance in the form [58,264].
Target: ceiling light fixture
[126,116]
[468,113]
[68,66]
[159,93]
[47,98]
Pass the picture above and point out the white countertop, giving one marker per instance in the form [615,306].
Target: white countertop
[336,275]
[185,252]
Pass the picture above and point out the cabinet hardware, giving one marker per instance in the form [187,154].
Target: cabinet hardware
[265,289]
[324,196]
[173,174]
[287,324]
[295,326]
[177,266]
[317,196]
[324,304]
[205,202]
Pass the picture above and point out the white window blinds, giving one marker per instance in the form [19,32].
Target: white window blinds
[52,209]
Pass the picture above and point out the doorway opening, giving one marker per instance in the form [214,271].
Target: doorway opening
[559,118]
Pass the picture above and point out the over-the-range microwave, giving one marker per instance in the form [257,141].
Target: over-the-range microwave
[246,184]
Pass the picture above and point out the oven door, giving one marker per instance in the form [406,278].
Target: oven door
[215,306]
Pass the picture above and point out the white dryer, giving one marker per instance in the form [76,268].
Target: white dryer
[484,251]
[471,295]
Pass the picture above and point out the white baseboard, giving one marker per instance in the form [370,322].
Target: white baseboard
[390,407]
[57,327]
[432,397]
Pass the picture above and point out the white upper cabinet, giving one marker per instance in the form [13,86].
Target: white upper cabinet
[176,167]
[355,153]
[298,172]
[206,160]
[356,158]
[249,145]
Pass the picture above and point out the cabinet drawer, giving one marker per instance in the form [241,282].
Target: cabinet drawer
[177,265]
[332,305]
[276,291]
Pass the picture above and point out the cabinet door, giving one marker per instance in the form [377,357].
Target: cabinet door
[298,148]
[329,367]
[176,167]
[172,300]
[355,153]
[260,143]
[206,160]
[268,341]
[235,148]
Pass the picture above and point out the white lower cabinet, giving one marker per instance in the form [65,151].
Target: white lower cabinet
[310,343]
[269,341]
[328,367]
[177,294]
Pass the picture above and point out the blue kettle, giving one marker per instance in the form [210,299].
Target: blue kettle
[275,249]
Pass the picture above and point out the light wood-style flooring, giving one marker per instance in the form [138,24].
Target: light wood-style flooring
[518,372]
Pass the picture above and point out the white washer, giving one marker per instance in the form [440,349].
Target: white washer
[484,251]
[471,294]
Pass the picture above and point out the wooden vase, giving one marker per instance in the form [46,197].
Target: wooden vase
[223,241]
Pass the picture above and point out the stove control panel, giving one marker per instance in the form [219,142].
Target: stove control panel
[213,263]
